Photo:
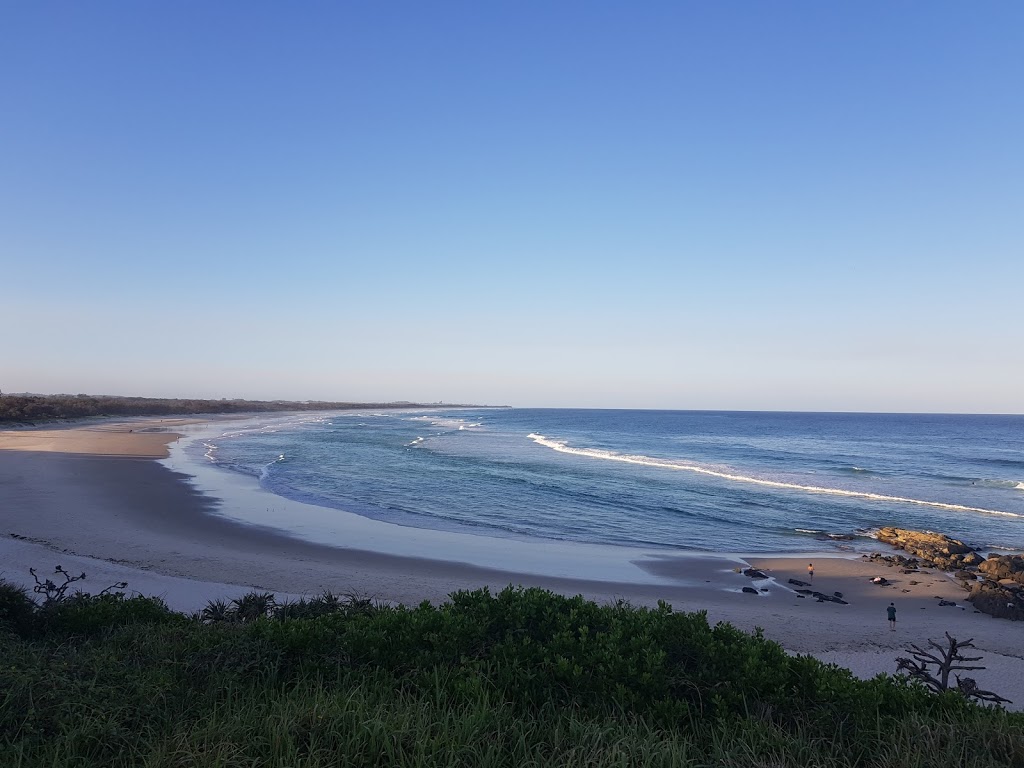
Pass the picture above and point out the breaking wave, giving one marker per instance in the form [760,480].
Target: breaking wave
[595,453]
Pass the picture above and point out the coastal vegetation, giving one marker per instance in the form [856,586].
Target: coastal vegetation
[522,677]
[32,409]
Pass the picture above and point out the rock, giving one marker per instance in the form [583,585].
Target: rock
[880,580]
[936,548]
[947,602]
[837,594]
[823,598]
[1003,567]
[894,561]
[799,583]
[755,574]
[750,590]
[996,601]
[965,575]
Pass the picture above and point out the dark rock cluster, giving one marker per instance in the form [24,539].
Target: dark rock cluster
[996,584]
[835,597]
[1001,593]
[906,564]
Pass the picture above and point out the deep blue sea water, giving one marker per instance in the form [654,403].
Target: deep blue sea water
[685,480]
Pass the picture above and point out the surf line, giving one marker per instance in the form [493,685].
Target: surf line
[647,461]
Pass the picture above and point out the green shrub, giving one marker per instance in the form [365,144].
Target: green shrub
[522,677]
[17,609]
[85,614]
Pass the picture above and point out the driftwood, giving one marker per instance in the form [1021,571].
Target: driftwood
[947,660]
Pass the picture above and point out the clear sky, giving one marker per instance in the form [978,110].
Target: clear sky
[728,205]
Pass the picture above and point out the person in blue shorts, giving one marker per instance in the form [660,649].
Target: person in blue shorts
[891,612]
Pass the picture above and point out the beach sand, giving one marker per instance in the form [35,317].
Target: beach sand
[142,438]
[91,498]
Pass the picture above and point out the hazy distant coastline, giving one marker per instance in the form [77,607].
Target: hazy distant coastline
[34,409]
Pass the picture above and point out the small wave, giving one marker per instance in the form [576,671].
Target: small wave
[648,461]
[265,472]
[417,441]
[807,530]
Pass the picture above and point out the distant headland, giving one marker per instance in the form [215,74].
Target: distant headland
[32,409]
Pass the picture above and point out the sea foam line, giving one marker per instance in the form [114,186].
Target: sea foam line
[647,461]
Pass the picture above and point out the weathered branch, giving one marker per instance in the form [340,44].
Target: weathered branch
[949,659]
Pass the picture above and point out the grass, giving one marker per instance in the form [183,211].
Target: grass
[521,678]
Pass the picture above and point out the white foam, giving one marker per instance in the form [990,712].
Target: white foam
[438,421]
[265,472]
[648,461]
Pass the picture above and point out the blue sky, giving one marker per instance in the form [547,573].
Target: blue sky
[785,205]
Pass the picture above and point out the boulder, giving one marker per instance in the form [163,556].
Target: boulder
[750,590]
[799,583]
[1003,567]
[755,574]
[996,601]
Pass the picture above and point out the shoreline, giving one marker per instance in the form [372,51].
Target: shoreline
[119,515]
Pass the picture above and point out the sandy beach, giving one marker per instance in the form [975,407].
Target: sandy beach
[94,498]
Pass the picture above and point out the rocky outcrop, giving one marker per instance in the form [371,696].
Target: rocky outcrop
[997,600]
[935,548]
[998,592]
[1001,594]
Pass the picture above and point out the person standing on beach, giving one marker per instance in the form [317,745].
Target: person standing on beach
[810,570]
[891,612]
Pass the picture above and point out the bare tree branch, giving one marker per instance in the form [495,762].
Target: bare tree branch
[949,659]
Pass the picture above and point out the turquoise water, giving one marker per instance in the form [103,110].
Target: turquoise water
[711,481]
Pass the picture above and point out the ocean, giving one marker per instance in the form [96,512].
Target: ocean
[694,481]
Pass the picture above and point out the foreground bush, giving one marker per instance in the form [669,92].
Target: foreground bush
[524,677]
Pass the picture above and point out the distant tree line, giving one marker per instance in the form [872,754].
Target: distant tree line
[30,409]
